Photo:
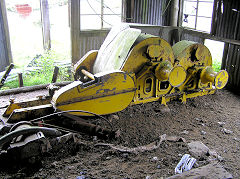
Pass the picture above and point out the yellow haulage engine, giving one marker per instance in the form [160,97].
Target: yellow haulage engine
[129,68]
[132,68]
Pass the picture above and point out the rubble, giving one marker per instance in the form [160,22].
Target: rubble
[198,149]
[213,170]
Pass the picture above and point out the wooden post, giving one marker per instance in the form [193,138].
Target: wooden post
[102,9]
[55,74]
[45,24]
[174,13]
[5,47]
[214,18]
[5,75]
[75,30]
[20,80]
[196,17]
[127,10]
[180,13]
[225,56]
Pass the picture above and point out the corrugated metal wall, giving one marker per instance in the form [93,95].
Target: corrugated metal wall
[227,19]
[91,40]
[186,35]
[231,62]
[226,24]
[153,12]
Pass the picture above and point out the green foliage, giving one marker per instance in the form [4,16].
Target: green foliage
[10,85]
[44,67]
[65,74]
[216,65]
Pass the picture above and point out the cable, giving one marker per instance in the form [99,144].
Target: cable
[58,127]
[61,112]
[166,7]
[109,8]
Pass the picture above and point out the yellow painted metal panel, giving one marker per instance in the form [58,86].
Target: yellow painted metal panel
[112,92]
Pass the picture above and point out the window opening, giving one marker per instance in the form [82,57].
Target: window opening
[197,14]
[216,49]
[99,14]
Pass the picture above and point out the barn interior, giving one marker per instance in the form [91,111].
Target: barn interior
[119,89]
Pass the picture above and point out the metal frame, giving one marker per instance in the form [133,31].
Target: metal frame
[196,14]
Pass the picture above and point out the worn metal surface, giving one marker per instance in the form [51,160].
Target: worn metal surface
[30,113]
[197,59]
[84,127]
[28,103]
[114,50]
[86,62]
[111,92]
[136,59]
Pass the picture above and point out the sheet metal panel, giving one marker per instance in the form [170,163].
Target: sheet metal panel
[190,37]
[232,65]
[228,19]
[150,12]
[91,40]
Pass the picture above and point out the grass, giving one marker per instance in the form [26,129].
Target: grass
[216,65]
[43,75]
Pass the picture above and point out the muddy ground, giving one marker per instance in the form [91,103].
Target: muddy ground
[140,125]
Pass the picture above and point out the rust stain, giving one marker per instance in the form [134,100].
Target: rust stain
[105,90]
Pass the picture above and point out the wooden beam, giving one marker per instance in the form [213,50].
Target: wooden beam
[75,30]
[31,88]
[45,24]
[214,20]
[208,36]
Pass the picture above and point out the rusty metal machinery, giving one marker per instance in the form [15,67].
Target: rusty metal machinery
[132,68]
[146,69]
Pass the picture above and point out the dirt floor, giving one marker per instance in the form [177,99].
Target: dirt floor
[201,119]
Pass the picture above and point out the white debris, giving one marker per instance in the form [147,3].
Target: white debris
[184,132]
[221,124]
[185,164]
[226,131]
